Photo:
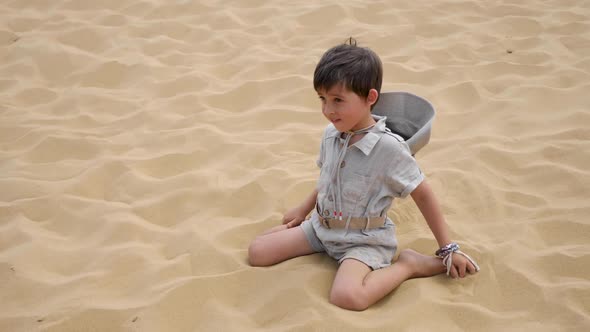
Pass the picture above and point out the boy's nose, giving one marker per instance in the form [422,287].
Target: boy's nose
[327,110]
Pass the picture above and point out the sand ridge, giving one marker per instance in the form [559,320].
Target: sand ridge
[143,144]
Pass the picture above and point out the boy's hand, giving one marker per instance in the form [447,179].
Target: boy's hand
[294,217]
[461,266]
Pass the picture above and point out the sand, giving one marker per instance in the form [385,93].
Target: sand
[144,144]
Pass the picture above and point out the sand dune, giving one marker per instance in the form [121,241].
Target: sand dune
[143,144]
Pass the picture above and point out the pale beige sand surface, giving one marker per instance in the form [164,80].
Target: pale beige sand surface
[143,144]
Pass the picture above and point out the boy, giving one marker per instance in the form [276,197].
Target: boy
[363,166]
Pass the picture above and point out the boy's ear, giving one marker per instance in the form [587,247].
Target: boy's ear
[372,97]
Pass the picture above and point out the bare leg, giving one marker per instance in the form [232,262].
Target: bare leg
[356,287]
[278,244]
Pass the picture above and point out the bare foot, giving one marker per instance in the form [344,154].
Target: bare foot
[420,265]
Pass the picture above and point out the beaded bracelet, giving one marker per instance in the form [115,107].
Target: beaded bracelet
[449,248]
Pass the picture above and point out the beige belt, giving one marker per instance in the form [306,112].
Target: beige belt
[355,223]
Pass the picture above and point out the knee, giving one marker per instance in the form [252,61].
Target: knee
[257,254]
[350,298]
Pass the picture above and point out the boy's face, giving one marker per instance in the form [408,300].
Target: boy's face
[347,110]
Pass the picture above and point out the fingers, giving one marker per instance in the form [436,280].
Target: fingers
[457,271]
[274,229]
[295,222]
[286,220]
[289,220]
[462,268]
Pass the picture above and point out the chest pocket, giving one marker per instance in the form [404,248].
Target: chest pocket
[356,191]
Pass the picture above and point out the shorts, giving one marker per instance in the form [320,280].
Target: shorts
[374,247]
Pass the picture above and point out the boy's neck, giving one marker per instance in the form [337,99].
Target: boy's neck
[360,127]
[368,122]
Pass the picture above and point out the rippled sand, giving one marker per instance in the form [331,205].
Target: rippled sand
[143,144]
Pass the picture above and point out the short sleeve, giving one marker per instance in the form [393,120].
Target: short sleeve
[403,172]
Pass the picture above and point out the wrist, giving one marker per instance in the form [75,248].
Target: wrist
[447,249]
[444,243]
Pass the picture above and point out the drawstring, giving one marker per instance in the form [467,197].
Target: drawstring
[340,160]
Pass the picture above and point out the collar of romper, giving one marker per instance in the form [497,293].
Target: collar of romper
[373,135]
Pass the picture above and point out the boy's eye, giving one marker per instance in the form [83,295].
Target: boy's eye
[338,100]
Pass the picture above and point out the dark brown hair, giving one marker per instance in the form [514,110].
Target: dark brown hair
[359,69]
